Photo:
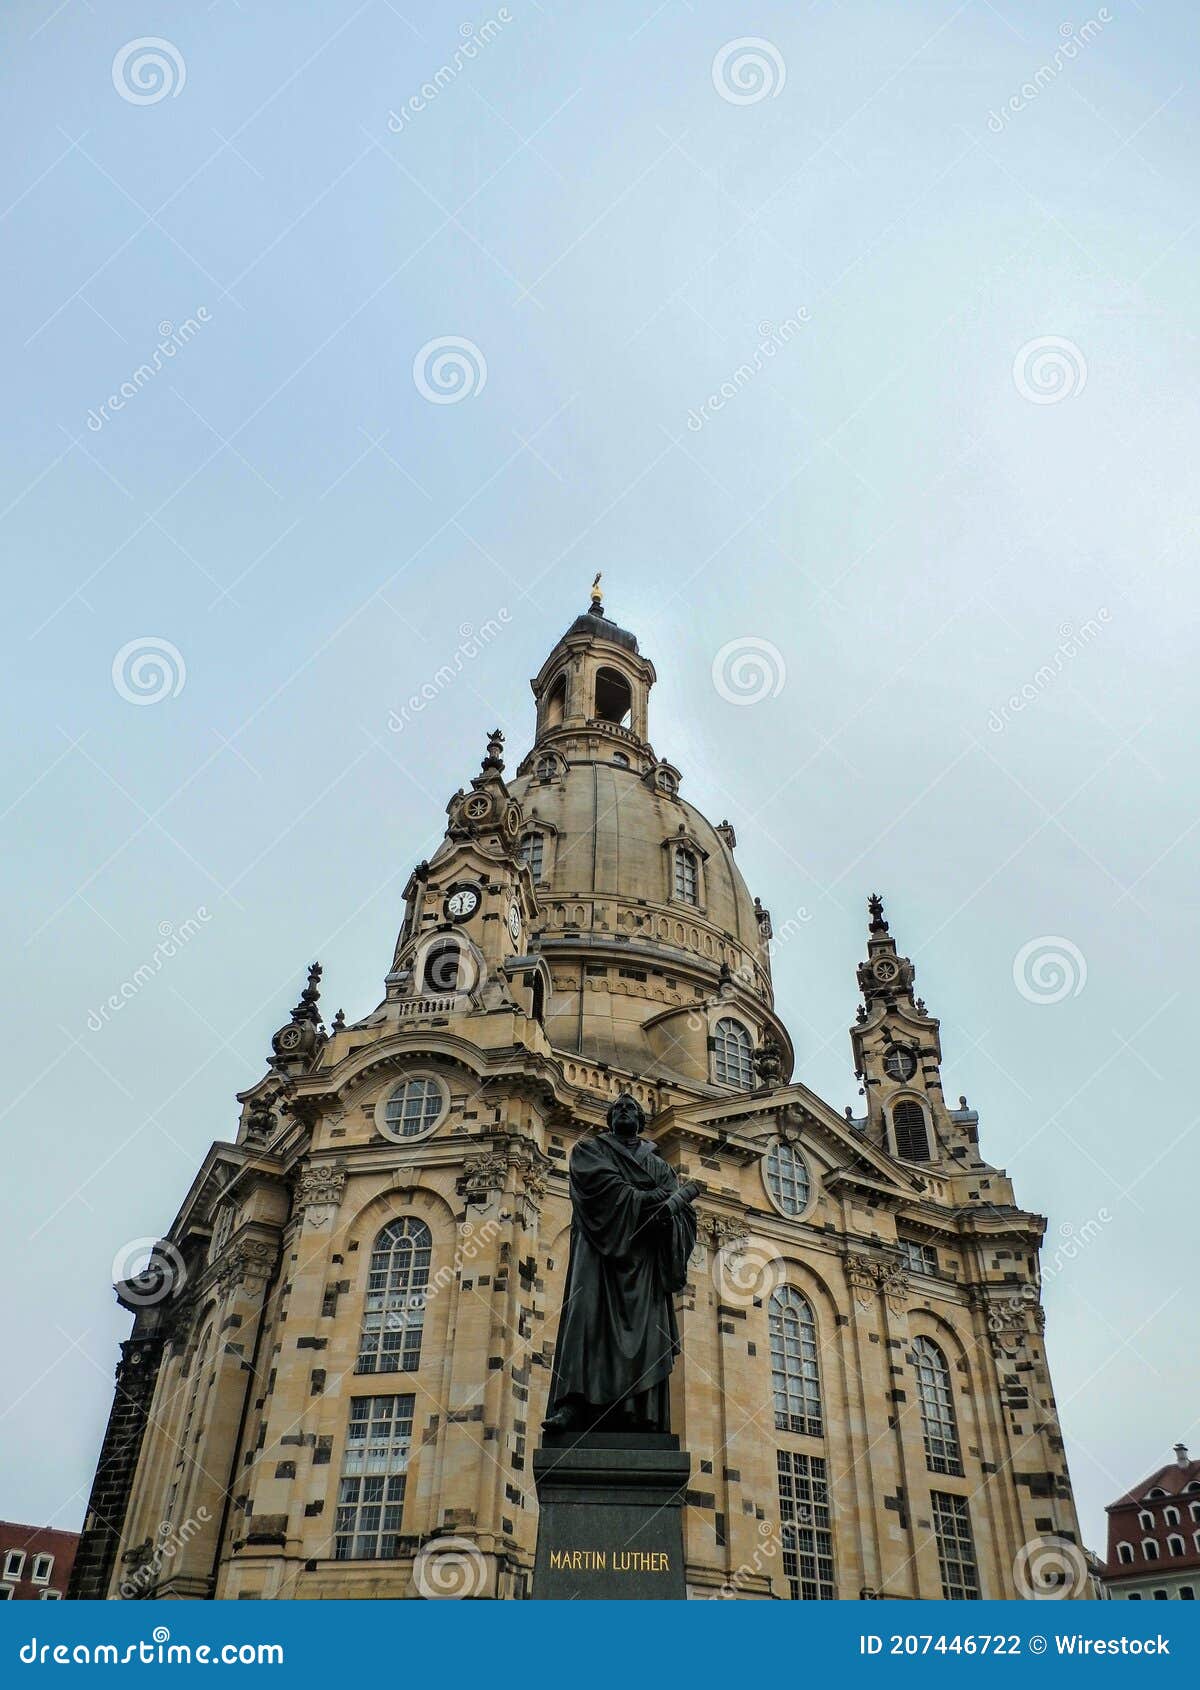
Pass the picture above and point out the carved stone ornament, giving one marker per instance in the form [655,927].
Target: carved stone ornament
[321,1183]
[865,1276]
[481,1175]
[725,1232]
[249,1263]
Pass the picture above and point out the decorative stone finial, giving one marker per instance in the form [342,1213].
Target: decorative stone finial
[306,1009]
[339,1022]
[495,748]
[596,607]
[875,905]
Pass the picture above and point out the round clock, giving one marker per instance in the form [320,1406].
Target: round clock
[899,1063]
[514,923]
[289,1039]
[477,806]
[461,903]
[885,969]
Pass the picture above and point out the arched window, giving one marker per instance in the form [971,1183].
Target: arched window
[787,1179]
[614,700]
[397,1286]
[620,759]
[1146,1520]
[937,1408]
[1175,1545]
[1194,1510]
[444,971]
[1125,1553]
[1171,1515]
[533,853]
[547,767]
[912,1137]
[556,705]
[795,1377]
[732,1054]
[413,1107]
[687,875]
[1149,1549]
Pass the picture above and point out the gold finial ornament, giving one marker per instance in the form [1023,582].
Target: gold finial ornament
[597,595]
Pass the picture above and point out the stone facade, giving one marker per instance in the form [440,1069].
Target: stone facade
[347,1350]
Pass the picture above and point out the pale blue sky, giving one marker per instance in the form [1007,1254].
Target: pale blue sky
[885,501]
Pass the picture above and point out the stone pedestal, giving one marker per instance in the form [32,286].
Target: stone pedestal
[610,1524]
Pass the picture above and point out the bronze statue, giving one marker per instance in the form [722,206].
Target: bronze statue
[633,1229]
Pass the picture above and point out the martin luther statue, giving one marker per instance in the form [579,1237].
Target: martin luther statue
[633,1228]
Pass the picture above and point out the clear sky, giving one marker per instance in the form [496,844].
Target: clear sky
[951,330]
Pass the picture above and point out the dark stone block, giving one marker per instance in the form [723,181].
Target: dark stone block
[611,1522]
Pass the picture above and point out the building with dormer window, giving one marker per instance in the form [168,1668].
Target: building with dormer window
[341,1347]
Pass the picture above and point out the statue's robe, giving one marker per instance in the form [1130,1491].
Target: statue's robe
[618,1336]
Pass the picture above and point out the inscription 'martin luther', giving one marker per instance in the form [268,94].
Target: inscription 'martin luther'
[600,1560]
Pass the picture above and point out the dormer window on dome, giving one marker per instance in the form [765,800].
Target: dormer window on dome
[687,875]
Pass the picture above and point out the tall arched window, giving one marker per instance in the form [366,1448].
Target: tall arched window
[795,1376]
[397,1286]
[732,1054]
[1175,1545]
[787,1178]
[556,702]
[687,875]
[1125,1554]
[444,971]
[912,1137]
[937,1408]
[1150,1549]
[614,700]
[533,853]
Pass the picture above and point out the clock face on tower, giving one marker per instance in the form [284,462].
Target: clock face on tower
[461,903]
[514,923]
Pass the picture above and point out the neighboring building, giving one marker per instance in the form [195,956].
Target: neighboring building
[1154,1536]
[340,1354]
[35,1562]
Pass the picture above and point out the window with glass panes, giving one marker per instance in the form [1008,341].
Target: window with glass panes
[795,1378]
[732,1056]
[918,1258]
[397,1286]
[805,1526]
[533,852]
[956,1547]
[787,1178]
[371,1491]
[937,1408]
[413,1107]
[687,875]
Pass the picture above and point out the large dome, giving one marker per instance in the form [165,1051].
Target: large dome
[650,932]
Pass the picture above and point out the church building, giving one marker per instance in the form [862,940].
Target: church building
[341,1348]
